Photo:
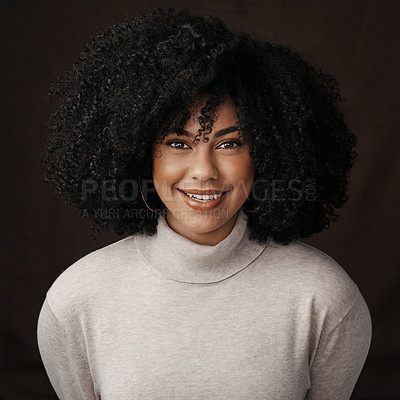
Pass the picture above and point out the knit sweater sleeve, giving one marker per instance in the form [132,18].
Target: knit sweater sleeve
[341,355]
[67,369]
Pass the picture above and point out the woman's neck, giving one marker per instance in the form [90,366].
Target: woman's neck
[181,259]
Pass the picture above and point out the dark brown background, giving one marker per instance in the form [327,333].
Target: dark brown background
[356,41]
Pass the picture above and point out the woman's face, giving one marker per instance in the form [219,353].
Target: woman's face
[204,185]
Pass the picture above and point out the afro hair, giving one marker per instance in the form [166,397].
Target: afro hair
[138,81]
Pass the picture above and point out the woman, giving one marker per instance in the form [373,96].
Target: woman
[214,152]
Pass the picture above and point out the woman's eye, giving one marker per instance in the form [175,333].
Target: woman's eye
[177,144]
[233,144]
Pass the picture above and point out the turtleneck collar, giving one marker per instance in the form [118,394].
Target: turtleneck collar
[182,260]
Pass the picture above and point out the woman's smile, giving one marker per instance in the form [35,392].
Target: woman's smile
[204,184]
[203,202]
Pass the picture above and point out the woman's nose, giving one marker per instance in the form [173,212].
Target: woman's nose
[203,166]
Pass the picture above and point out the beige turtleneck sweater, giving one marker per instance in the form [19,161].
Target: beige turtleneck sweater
[165,318]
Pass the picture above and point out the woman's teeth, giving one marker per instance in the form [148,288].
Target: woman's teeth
[205,197]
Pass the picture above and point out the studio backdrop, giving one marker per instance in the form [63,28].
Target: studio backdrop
[356,41]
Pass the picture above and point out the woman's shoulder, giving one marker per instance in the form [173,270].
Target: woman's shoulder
[102,259]
[93,274]
[298,260]
[304,274]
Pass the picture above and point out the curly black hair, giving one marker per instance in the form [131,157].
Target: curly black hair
[138,80]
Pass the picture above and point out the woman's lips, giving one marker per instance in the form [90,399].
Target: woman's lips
[202,205]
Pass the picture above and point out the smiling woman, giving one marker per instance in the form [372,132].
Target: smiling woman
[204,184]
[236,149]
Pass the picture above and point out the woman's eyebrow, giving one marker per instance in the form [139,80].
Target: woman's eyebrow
[217,134]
